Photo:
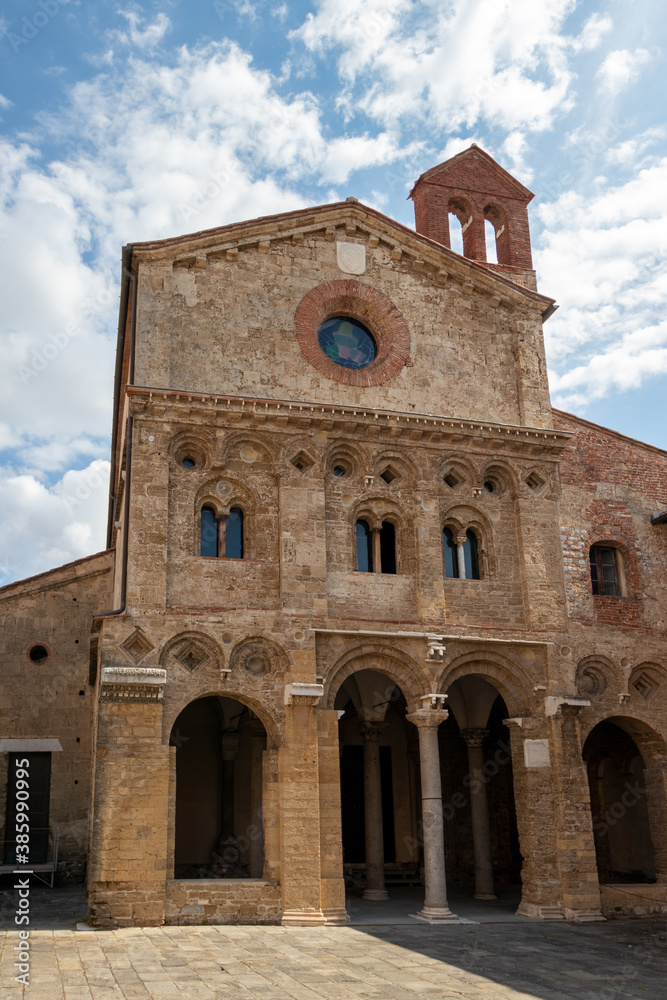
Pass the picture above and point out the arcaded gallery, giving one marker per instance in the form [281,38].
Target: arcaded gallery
[375,625]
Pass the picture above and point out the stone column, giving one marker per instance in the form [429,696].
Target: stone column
[435,906]
[479,806]
[370,733]
[461,556]
[256,832]
[230,746]
[377,550]
[222,534]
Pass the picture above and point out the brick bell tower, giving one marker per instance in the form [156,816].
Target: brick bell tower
[475,189]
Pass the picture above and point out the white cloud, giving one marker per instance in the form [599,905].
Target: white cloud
[149,151]
[452,64]
[143,35]
[42,528]
[592,33]
[621,68]
[603,255]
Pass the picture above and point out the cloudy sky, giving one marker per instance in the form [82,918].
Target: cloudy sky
[135,122]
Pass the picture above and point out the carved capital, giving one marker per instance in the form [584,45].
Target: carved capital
[474,737]
[371,731]
[427,717]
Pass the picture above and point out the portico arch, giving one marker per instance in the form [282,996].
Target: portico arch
[626,760]
[217,804]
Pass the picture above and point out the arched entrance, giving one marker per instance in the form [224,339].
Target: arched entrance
[218,803]
[481,835]
[379,793]
[620,805]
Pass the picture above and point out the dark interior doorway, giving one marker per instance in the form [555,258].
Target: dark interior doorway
[619,805]
[218,825]
[352,804]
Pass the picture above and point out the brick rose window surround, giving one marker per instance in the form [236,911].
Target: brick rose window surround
[366,305]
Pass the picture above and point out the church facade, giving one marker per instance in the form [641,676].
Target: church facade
[372,613]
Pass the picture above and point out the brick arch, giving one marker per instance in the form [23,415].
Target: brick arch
[367,305]
[502,673]
[498,216]
[272,724]
[394,663]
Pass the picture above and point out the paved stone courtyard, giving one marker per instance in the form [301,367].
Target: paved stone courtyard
[500,960]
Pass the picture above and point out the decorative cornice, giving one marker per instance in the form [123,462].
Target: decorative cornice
[427,428]
[137,685]
[303,694]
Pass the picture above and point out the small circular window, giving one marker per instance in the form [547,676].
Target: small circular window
[38,654]
[189,463]
[347,342]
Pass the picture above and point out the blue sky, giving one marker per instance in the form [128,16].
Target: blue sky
[120,124]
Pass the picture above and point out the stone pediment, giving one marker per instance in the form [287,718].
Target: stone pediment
[363,238]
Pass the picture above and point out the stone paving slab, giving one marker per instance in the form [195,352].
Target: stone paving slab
[613,961]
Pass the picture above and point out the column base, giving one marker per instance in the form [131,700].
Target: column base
[375,894]
[485,895]
[336,915]
[536,912]
[303,918]
[436,915]
[584,916]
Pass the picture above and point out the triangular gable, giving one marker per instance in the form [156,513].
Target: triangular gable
[475,170]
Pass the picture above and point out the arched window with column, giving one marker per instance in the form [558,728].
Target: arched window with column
[461,553]
[376,547]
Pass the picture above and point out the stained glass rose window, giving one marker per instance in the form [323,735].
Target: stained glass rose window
[346,342]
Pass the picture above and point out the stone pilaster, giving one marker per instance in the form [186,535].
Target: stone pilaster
[300,808]
[331,838]
[575,842]
[129,843]
[536,820]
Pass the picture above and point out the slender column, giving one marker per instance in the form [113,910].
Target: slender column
[373,813]
[435,906]
[377,550]
[479,806]
[230,746]
[258,745]
[461,557]
[222,534]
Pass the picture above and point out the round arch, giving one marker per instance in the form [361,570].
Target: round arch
[395,664]
[508,679]
[272,725]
